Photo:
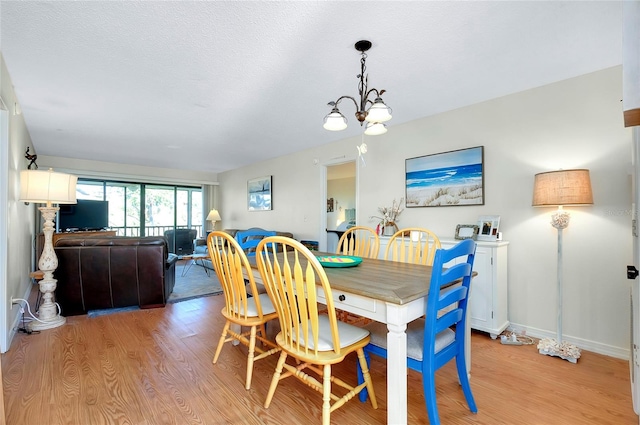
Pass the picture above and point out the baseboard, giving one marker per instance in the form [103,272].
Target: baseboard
[584,344]
[17,318]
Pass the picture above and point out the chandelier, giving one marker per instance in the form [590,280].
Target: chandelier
[375,112]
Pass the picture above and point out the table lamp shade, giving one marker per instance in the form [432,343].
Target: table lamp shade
[47,187]
[214,215]
[563,187]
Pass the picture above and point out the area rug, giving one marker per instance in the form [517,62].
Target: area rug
[194,284]
[107,311]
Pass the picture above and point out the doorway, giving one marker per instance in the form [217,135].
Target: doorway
[340,189]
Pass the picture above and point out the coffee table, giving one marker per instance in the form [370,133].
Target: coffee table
[191,260]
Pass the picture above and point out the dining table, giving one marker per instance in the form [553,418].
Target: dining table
[389,292]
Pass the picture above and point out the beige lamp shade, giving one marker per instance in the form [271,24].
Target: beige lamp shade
[214,216]
[564,187]
[47,187]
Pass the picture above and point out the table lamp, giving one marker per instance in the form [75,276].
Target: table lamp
[213,216]
[561,188]
[47,187]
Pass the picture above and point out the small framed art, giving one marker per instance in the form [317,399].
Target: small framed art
[467,231]
[489,226]
[259,194]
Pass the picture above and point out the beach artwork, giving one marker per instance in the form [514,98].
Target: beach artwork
[259,194]
[446,179]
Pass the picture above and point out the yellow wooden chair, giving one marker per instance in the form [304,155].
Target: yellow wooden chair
[315,340]
[413,245]
[232,267]
[359,241]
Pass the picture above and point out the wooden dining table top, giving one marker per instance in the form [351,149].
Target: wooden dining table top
[389,281]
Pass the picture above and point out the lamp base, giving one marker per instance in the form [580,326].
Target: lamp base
[564,350]
[47,324]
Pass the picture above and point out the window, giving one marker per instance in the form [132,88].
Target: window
[139,209]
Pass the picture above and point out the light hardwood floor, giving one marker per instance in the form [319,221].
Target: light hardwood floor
[154,367]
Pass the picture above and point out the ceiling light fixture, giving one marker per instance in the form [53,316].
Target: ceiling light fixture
[374,112]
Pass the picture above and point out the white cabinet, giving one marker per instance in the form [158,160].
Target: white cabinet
[488,304]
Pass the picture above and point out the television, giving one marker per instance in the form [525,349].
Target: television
[86,215]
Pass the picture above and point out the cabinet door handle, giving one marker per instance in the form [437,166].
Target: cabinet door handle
[342,298]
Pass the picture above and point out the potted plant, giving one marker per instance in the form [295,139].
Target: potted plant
[388,218]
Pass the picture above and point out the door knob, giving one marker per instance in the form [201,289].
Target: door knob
[632,272]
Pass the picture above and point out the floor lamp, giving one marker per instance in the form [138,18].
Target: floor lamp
[213,216]
[561,188]
[47,187]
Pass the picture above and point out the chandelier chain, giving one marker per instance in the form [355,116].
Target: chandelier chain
[362,86]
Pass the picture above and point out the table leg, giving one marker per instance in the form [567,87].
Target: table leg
[206,270]
[397,374]
[187,267]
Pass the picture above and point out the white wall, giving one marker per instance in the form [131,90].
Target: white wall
[573,123]
[18,219]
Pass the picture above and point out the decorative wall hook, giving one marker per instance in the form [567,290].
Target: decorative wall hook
[31,158]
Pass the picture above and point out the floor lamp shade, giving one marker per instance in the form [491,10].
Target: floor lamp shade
[564,187]
[47,187]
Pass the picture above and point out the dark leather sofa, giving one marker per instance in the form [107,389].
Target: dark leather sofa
[113,271]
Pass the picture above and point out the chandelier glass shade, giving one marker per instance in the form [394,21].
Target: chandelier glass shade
[375,112]
[335,121]
[375,129]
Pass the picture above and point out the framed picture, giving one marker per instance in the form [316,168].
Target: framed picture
[259,194]
[489,226]
[467,231]
[446,179]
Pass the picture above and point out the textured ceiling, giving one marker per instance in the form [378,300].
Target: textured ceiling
[215,85]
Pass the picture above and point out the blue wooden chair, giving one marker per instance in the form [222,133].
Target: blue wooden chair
[431,343]
[249,239]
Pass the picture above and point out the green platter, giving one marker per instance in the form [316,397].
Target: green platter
[338,260]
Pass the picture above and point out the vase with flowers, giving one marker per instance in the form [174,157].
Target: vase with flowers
[388,218]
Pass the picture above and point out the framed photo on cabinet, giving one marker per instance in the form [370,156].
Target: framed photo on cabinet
[489,226]
[467,231]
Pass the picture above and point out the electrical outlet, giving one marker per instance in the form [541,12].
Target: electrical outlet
[517,330]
